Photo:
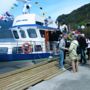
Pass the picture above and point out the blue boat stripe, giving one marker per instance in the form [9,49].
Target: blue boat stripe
[38,26]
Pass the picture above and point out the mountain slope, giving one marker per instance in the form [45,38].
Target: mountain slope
[77,17]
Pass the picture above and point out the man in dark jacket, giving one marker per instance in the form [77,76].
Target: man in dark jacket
[83,46]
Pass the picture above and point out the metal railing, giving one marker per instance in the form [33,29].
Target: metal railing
[37,46]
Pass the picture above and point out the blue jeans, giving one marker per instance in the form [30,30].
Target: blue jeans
[83,56]
[61,58]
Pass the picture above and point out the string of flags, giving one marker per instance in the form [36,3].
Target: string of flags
[7,15]
[41,8]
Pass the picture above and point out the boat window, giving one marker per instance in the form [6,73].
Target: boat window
[15,34]
[17,50]
[42,33]
[38,48]
[23,35]
[32,33]
[3,50]
[39,23]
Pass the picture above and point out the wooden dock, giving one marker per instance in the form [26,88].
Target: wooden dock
[29,76]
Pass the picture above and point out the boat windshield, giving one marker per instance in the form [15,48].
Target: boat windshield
[6,34]
[32,33]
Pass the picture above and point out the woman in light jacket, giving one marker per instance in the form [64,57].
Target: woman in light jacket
[73,54]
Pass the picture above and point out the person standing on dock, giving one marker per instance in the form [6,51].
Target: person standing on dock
[62,49]
[83,47]
[73,54]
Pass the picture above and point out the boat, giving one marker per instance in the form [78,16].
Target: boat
[27,39]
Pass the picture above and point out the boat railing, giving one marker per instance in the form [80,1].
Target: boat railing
[36,46]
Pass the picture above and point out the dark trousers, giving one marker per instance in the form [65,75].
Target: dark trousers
[83,56]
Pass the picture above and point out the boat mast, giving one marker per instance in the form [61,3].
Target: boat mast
[26,7]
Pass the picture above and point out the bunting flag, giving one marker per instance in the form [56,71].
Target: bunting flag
[1,17]
[15,4]
[12,7]
[36,2]
[41,8]
[8,14]
[23,0]
[43,14]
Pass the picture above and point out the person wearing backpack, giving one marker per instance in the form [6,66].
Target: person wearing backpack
[73,54]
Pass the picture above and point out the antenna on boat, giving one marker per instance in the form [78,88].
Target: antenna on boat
[27,6]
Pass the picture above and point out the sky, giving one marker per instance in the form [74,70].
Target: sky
[52,8]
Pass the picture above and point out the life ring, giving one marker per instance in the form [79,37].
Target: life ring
[26,48]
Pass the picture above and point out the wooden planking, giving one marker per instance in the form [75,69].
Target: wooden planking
[26,77]
[24,80]
[26,68]
[25,74]
[40,76]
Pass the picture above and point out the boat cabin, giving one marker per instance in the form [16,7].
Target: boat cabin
[28,35]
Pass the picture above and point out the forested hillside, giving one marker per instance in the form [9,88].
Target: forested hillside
[80,16]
